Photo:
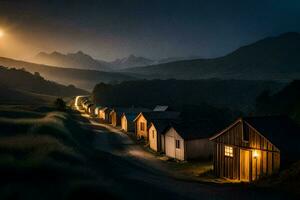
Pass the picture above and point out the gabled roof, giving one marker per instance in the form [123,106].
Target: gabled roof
[130,111]
[198,130]
[130,116]
[157,115]
[160,108]
[104,109]
[161,125]
[281,131]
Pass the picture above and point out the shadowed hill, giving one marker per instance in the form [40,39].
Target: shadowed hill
[236,94]
[85,79]
[275,58]
[22,86]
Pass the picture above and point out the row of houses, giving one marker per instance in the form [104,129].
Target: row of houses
[249,148]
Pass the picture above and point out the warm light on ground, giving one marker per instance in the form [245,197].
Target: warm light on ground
[1,33]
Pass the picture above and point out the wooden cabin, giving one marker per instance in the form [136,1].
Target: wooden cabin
[254,147]
[127,121]
[127,118]
[113,117]
[144,119]
[117,115]
[101,113]
[104,114]
[185,142]
[156,134]
[96,111]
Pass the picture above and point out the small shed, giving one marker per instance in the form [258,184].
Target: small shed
[127,123]
[187,142]
[156,134]
[113,117]
[253,147]
[104,114]
[116,115]
[127,118]
[96,111]
[144,119]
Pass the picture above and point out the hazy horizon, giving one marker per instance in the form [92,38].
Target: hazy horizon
[108,30]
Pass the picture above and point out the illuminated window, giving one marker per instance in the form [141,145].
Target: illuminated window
[177,144]
[153,134]
[142,126]
[228,151]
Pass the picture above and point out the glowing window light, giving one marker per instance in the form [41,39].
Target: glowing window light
[228,151]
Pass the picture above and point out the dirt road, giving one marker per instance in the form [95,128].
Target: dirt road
[148,169]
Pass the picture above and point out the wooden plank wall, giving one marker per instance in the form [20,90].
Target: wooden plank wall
[229,167]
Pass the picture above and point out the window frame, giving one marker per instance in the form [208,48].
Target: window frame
[177,144]
[142,126]
[228,151]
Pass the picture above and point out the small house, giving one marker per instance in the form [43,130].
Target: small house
[96,111]
[127,121]
[144,119]
[156,134]
[90,109]
[113,117]
[126,116]
[116,115]
[187,142]
[253,147]
[104,114]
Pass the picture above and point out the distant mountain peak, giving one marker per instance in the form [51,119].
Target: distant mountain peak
[78,59]
[273,58]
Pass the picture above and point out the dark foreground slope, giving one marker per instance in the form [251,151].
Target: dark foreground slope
[50,156]
[273,58]
[82,78]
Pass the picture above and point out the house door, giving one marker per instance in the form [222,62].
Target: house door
[170,146]
[245,165]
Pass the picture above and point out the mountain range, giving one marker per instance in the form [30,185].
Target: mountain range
[82,78]
[273,58]
[82,60]
[71,60]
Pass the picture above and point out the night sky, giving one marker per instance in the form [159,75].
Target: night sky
[153,28]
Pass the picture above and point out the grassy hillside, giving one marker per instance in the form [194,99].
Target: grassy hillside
[274,58]
[23,80]
[38,151]
[236,94]
[85,79]
[49,155]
